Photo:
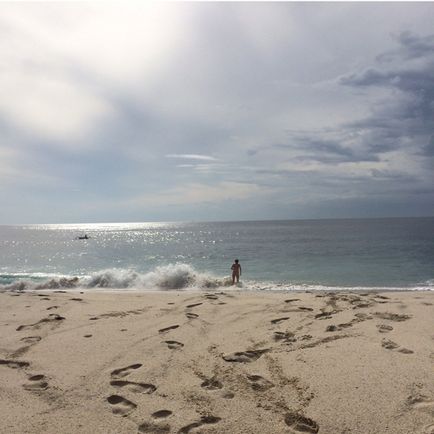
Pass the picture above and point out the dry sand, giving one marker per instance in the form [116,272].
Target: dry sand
[224,362]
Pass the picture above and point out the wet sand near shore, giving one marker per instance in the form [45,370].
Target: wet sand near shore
[217,362]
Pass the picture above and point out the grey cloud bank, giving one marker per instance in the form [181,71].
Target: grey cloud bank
[209,111]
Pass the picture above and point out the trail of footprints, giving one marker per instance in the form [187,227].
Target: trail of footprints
[296,421]
[123,407]
[120,405]
[35,382]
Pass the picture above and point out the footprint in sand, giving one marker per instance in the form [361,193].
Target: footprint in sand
[423,403]
[36,383]
[123,372]
[358,304]
[245,356]
[420,401]
[324,315]
[204,420]
[384,328]
[193,305]
[405,351]
[52,317]
[31,339]
[191,315]
[154,428]
[87,336]
[161,414]
[390,345]
[174,345]
[259,383]
[278,320]
[52,307]
[120,405]
[211,297]
[300,423]
[212,384]
[284,336]
[345,325]
[302,308]
[392,316]
[290,300]
[135,387]
[14,364]
[166,329]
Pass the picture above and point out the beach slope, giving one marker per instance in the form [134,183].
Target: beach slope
[217,362]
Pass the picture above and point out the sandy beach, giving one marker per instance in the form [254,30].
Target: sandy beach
[217,362]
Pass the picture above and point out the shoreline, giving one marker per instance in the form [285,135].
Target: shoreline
[245,286]
[215,361]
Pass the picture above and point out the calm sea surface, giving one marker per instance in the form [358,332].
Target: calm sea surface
[314,254]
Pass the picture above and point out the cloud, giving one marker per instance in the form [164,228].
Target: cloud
[260,104]
[193,193]
[412,46]
[192,157]
[61,63]
[406,119]
[396,134]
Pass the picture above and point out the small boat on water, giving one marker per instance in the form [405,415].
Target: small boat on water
[84,237]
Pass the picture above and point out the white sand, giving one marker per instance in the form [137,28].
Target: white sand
[237,362]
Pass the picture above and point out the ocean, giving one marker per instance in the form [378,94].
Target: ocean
[395,253]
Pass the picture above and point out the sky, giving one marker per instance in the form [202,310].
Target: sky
[128,111]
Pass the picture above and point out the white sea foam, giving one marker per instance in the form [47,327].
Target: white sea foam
[173,276]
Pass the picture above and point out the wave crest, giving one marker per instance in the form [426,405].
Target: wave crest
[172,276]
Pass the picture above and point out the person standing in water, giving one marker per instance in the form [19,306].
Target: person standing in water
[236,271]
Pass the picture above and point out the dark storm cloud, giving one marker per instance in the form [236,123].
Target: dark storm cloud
[318,148]
[408,118]
[319,145]
[412,46]
[402,120]
[428,149]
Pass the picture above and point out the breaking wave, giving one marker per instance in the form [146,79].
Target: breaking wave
[172,276]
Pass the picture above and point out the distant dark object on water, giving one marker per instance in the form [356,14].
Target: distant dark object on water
[84,237]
